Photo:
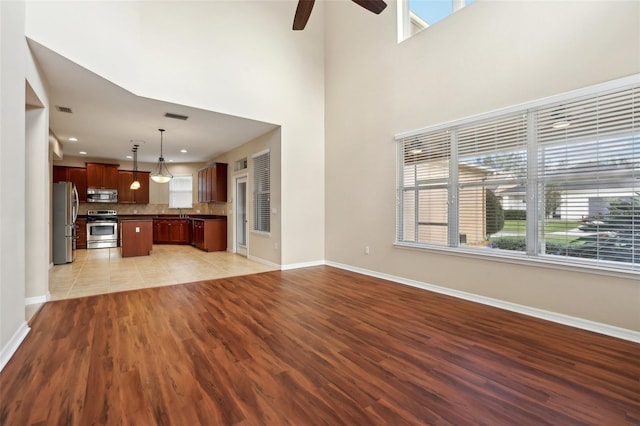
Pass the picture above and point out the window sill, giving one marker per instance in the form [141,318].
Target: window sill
[519,258]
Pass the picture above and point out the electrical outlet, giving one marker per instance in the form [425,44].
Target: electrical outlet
[275,246]
[366,249]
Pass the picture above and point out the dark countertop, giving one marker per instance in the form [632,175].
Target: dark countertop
[170,216]
[164,216]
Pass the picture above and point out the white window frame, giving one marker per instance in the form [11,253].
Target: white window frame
[184,192]
[535,253]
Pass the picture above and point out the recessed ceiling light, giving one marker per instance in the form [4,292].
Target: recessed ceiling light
[171,161]
[83,153]
[183,151]
[73,139]
[129,157]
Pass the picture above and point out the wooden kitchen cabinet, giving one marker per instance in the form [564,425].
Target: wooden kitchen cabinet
[171,231]
[212,183]
[102,175]
[210,234]
[76,175]
[81,233]
[126,195]
[136,237]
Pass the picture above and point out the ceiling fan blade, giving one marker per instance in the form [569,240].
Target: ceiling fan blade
[375,6]
[303,11]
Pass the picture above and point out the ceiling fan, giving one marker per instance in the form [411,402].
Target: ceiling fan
[303,11]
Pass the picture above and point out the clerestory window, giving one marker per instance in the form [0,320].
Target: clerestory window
[417,15]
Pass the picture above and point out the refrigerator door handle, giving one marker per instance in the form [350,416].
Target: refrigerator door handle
[76,206]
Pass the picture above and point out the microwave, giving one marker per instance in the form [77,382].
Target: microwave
[95,195]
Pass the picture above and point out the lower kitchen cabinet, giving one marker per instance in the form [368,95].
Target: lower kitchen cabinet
[171,231]
[210,234]
[81,233]
[136,237]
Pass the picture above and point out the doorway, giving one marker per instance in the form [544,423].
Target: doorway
[241,219]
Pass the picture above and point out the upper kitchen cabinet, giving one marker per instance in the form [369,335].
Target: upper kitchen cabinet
[212,183]
[102,175]
[76,175]
[128,195]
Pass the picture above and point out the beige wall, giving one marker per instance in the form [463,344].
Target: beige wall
[12,173]
[260,246]
[491,54]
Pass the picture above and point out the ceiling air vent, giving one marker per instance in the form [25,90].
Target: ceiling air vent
[64,109]
[176,116]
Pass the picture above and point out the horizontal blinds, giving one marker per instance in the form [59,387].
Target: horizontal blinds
[492,169]
[604,116]
[262,192]
[181,192]
[423,192]
[493,150]
[579,157]
[589,177]
[426,159]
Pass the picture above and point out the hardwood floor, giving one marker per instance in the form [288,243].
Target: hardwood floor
[310,346]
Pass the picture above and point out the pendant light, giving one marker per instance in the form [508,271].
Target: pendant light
[136,183]
[161,173]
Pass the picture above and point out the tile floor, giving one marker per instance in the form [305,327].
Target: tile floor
[101,271]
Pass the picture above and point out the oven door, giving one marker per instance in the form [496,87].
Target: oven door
[102,234]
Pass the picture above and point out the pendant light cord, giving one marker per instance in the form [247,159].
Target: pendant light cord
[161,133]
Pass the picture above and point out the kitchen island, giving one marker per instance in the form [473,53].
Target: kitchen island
[136,236]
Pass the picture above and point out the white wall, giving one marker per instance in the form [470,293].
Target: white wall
[12,178]
[489,55]
[234,57]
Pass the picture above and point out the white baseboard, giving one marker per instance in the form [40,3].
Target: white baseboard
[303,265]
[596,327]
[37,299]
[263,261]
[12,345]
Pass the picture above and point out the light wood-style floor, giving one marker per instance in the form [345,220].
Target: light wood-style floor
[310,346]
[101,271]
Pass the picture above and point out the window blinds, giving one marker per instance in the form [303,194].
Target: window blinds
[588,176]
[555,179]
[180,192]
[425,171]
[262,192]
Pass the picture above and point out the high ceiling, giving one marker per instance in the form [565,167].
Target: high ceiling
[107,119]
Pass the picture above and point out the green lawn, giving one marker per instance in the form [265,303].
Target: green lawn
[550,226]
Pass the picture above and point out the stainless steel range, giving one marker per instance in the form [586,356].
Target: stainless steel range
[102,229]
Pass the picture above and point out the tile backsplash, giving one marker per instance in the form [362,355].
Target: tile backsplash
[132,209]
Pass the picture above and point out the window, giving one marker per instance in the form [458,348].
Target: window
[180,192]
[416,15]
[557,179]
[262,192]
[240,164]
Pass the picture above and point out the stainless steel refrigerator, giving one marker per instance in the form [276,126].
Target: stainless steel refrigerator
[65,213]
